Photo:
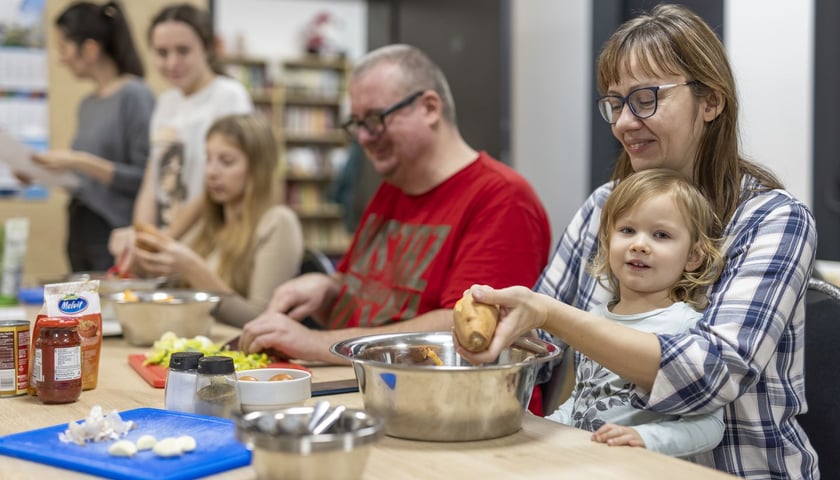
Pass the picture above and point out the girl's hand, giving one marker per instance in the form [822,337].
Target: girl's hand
[617,435]
[521,310]
[167,257]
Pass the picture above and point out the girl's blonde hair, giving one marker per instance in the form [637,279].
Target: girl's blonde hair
[704,229]
[234,241]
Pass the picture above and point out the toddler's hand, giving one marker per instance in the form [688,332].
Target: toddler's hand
[616,435]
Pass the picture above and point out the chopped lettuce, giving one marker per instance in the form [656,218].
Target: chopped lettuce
[169,343]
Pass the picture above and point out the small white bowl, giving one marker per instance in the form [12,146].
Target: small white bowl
[262,394]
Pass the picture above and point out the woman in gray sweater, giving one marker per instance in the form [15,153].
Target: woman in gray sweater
[111,145]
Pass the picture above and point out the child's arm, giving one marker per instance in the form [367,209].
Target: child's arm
[689,435]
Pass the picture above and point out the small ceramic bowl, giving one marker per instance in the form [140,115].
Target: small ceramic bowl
[266,394]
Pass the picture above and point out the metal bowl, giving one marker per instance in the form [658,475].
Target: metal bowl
[455,401]
[145,316]
[282,451]
[109,284]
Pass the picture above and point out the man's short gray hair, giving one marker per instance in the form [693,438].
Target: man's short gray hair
[419,73]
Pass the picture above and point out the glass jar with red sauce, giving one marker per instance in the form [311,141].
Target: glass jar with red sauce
[58,360]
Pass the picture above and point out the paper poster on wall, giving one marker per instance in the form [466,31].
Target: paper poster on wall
[23,77]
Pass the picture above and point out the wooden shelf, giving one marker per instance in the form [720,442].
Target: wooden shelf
[316,62]
[335,137]
[309,178]
[309,98]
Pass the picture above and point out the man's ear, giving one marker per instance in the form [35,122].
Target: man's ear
[713,105]
[432,105]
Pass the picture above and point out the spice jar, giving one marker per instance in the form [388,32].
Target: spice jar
[180,381]
[57,368]
[216,390]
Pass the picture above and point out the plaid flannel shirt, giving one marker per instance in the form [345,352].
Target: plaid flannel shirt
[747,353]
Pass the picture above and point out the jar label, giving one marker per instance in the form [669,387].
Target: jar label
[68,363]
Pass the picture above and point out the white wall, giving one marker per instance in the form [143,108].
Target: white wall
[551,102]
[272,29]
[770,45]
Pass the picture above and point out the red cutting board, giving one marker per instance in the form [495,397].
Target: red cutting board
[155,375]
[217,448]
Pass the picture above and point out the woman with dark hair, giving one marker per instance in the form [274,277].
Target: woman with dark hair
[182,42]
[111,146]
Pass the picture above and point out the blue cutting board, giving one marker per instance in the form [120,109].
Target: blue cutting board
[216,449]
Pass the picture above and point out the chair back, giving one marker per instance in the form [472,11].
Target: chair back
[822,374]
[315,261]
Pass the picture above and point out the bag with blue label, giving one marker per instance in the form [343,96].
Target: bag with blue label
[79,301]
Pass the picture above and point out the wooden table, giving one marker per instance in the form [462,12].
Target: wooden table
[542,449]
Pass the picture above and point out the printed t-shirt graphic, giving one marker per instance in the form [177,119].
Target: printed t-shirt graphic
[393,265]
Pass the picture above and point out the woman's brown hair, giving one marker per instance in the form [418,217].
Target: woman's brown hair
[672,39]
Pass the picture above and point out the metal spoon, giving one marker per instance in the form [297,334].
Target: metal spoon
[318,411]
[328,420]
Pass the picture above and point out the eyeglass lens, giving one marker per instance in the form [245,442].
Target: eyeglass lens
[642,103]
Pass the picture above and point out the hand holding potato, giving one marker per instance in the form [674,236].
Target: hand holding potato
[475,323]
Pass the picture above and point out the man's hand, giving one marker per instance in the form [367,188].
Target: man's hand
[275,331]
[311,294]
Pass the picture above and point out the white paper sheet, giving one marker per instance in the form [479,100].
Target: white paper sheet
[19,158]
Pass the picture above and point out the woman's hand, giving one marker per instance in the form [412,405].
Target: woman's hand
[521,310]
[274,331]
[616,435]
[56,160]
[165,256]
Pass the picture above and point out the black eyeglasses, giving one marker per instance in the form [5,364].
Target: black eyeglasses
[374,122]
[642,102]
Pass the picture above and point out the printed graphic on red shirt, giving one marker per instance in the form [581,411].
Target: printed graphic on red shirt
[387,272]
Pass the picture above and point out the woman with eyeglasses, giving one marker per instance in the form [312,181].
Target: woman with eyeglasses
[668,94]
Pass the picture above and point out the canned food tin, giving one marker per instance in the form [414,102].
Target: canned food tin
[14,357]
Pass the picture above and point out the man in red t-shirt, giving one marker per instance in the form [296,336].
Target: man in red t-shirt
[445,217]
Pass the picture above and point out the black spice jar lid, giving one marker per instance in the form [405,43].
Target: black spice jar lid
[184,360]
[215,365]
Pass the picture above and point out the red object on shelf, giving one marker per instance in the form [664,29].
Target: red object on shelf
[155,375]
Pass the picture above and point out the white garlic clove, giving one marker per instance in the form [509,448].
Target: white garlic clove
[187,443]
[122,448]
[146,442]
[168,447]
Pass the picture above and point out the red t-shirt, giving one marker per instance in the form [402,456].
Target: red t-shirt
[415,253]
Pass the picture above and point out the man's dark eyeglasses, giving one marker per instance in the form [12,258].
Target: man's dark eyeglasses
[374,122]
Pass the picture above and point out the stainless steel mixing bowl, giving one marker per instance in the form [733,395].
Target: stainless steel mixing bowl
[454,401]
[145,316]
[282,450]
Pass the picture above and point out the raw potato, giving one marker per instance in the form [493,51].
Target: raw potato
[475,323]
[151,229]
[187,443]
[168,447]
[146,442]
[122,448]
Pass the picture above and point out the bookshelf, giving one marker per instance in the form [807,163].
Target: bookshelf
[254,74]
[313,105]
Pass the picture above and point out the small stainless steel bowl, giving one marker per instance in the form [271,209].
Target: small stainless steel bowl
[145,316]
[109,284]
[456,401]
[281,448]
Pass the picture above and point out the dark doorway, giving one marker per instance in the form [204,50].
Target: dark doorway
[826,178]
[469,40]
[607,16]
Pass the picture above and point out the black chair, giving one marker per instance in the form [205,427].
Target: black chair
[315,261]
[822,374]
